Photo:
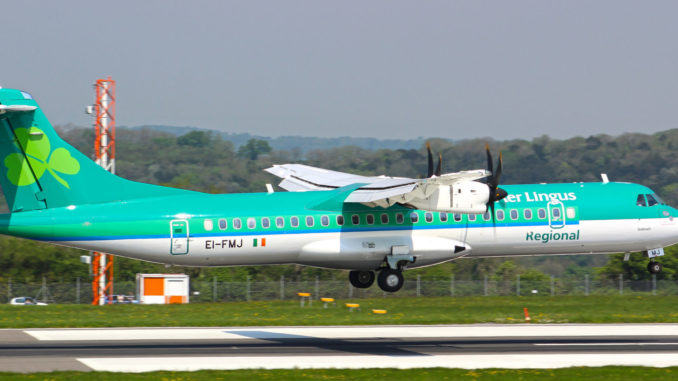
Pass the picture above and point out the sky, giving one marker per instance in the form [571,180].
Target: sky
[388,69]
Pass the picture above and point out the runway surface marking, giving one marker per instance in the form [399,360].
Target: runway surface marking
[452,346]
[357,332]
[510,361]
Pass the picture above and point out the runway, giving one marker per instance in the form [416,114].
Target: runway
[452,346]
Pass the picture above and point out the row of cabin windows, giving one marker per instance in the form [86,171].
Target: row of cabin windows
[251,222]
[527,214]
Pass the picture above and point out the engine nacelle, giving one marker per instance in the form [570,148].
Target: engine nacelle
[468,197]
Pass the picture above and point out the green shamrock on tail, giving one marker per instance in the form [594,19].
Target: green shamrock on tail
[35,144]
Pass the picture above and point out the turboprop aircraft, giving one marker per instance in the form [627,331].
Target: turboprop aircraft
[329,219]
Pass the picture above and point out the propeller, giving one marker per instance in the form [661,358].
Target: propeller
[492,181]
[439,169]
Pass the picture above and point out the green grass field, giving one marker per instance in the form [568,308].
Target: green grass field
[609,372]
[444,310]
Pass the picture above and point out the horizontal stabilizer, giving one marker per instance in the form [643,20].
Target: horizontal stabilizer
[16,108]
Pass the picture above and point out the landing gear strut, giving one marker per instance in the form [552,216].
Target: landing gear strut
[361,279]
[654,267]
[390,280]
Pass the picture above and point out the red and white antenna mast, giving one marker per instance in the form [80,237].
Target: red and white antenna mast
[104,153]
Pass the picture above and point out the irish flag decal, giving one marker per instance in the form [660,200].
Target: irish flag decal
[259,242]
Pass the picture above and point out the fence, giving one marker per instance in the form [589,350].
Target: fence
[80,292]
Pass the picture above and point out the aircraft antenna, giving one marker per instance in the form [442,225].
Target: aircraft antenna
[104,152]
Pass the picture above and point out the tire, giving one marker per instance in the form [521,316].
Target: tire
[390,280]
[654,267]
[361,279]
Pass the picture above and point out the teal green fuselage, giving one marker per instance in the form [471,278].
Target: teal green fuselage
[100,226]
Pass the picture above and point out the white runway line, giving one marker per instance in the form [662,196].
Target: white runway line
[358,332]
[509,361]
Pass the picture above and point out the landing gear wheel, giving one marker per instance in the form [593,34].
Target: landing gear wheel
[390,280]
[654,267]
[361,279]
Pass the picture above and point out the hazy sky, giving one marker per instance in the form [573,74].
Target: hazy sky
[453,69]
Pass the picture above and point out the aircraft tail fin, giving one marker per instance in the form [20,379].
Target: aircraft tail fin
[39,170]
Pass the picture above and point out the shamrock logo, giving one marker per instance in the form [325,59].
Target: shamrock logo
[35,144]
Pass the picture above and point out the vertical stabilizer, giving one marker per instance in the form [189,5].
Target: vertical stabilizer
[39,170]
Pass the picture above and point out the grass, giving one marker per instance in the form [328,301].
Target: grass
[608,372]
[443,310]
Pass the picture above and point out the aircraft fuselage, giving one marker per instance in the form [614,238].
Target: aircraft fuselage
[277,228]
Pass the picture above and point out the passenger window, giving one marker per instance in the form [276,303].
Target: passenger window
[310,221]
[514,214]
[428,216]
[640,201]
[294,221]
[457,217]
[280,222]
[541,213]
[355,219]
[650,200]
[486,216]
[251,223]
[384,218]
[500,215]
[570,212]
[443,217]
[471,217]
[222,224]
[324,221]
[400,218]
[527,213]
[555,212]
[414,217]
[340,220]
[209,225]
[236,223]
[265,223]
[370,219]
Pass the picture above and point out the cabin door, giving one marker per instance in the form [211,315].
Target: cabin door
[179,237]
[556,214]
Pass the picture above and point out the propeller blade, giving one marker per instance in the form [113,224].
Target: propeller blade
[489,159]
[430,160]
[497,173]
[439,170]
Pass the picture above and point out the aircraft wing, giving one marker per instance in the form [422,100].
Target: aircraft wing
[377,190]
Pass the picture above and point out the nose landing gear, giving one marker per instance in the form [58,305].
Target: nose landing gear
[654,267]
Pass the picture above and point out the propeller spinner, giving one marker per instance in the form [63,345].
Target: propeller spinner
[492,181]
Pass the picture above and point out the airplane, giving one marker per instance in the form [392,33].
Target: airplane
[368,225]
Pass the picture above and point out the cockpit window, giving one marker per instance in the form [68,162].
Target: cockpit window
[659,199]
[651,201]
[640,201]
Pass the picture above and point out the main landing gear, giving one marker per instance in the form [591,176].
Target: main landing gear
[388,280]
[361,279]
